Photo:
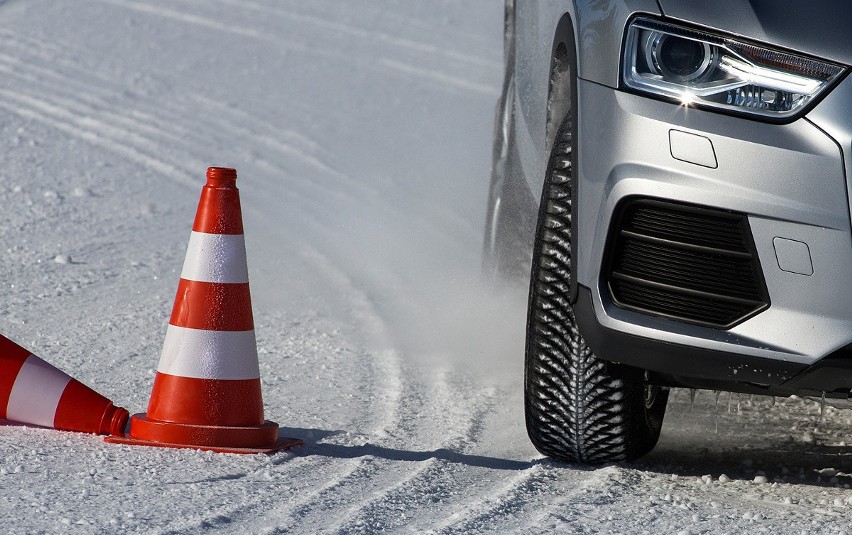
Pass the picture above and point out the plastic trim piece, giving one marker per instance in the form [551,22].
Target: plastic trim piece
[682,365]
[757,303]
[679,365]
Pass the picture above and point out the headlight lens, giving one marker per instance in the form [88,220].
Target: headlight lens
[696,67]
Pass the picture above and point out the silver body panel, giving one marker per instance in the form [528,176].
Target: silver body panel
[791,179]
[600,26]
[788,178]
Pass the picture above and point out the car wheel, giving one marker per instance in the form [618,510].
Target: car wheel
[575,409]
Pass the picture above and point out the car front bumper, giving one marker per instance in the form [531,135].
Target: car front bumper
[791,182]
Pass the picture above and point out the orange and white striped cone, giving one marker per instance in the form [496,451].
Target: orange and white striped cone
[206,393]
[34,392]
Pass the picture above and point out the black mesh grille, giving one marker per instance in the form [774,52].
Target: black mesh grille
[685,263]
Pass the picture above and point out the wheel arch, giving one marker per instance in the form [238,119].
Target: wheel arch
[563,60]
[561,101]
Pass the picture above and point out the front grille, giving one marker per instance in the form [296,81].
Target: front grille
[686,263]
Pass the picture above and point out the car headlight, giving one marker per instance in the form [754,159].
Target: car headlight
[721,72]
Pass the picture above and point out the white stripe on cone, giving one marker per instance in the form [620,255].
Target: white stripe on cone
[36,393]
[215,258]
[209,354]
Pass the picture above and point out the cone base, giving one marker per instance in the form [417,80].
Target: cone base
[280,445]
[223,439]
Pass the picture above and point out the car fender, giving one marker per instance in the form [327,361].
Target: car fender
[538,27]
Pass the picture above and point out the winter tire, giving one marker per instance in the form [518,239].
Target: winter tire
[575,410]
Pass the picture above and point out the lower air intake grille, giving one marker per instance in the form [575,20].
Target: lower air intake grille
[686,263]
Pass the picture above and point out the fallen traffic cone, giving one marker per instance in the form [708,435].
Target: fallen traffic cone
[34,392]
[206,393]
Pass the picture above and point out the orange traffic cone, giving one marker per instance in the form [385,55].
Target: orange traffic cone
[34,392]
[206,393]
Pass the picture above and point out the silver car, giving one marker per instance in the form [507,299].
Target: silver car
[672,178]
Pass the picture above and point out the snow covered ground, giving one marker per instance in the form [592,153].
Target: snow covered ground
[361,132]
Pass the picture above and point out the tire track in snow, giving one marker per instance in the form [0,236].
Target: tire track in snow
[103,121]
[373,35]
[91,112]
[142,131]
[90,96]
[88,100]
[86,117]
[184,17]
[434,75]
[486,505]
[80,83]
[366,473]
[133,146]
[399,503]
[302,148]
[516,504]
[440,78]
[88,130]
[16,40]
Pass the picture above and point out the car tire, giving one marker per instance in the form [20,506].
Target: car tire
[576,410]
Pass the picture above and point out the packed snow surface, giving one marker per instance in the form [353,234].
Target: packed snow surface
[361,132]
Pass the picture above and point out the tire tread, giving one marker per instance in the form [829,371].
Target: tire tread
[575,410]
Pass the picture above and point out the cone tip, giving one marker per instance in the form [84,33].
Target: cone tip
[221,176]
[114,421]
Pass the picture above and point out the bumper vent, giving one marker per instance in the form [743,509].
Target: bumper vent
[685,263]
